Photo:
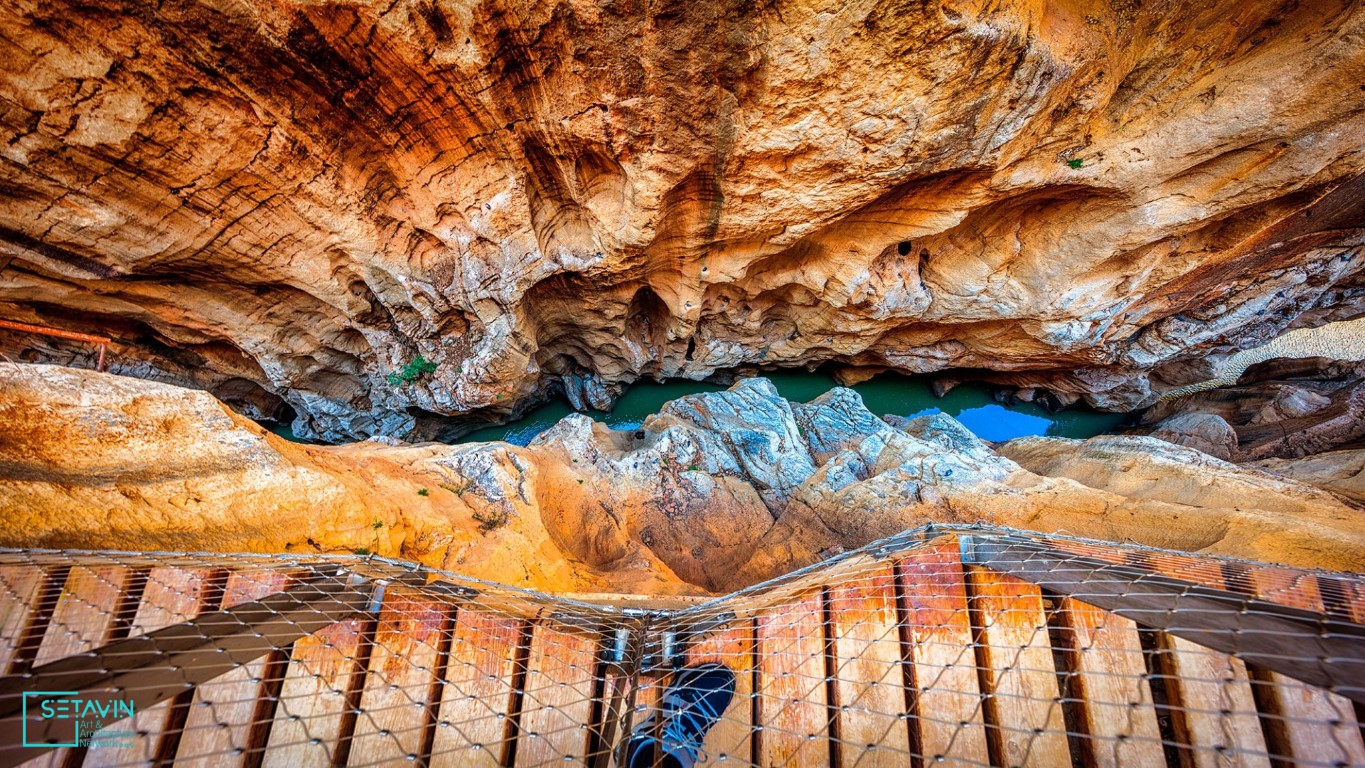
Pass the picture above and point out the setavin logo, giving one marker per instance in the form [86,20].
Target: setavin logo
[68,719]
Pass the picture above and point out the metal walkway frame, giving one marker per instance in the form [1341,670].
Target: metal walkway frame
[1226,606]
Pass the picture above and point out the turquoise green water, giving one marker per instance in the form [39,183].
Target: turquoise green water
[909,396]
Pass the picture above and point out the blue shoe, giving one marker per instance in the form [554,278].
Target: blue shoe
[692,704]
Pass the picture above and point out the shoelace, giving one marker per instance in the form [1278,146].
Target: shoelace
[687,727]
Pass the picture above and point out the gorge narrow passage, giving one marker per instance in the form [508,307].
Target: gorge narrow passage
[888,394]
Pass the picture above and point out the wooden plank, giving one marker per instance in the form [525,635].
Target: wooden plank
[949,722]
[87,612]
[1304,723]
[312,720]
[1352,593]
[401,685]
[1110,687]
[1106,554]
[173,595]
[21,592]
[472,726]
[557,703]
[731,739]
[1286,586]
[1307,724]
[1024,716]
[1213,711]
[869,679]
[229,717]
[1200,570]
[791,683]
[1209,692]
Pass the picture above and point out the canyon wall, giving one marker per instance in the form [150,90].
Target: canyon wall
[718,491]
[285,201]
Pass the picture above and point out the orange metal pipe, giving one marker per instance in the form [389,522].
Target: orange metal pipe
[59,333]
[102,341]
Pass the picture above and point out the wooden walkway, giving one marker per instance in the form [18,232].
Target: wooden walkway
[905,653]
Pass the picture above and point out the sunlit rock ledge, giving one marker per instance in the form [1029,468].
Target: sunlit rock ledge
[717,491]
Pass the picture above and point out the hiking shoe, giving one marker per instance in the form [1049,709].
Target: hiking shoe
[691,705]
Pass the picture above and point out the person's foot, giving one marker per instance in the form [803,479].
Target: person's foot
[691,705]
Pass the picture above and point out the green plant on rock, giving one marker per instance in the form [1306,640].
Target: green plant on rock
[423,492]
[1075,162]
[417,368]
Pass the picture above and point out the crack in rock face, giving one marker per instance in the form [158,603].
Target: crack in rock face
[288,202]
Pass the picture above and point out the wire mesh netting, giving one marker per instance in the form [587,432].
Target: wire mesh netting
[944,645]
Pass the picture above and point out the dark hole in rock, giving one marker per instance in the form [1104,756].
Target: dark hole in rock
[903,248]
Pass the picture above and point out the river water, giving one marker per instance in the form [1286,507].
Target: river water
[971,404]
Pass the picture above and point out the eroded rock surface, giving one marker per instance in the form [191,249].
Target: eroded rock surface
[285,202]
[1279,408]
[1341,472]
[97,461]
[717,491]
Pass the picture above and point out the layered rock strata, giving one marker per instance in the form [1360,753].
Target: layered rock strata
[1341,472]
[717,491]
[1277,409]
[285,202]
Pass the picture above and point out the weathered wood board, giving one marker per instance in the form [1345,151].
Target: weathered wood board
[171,596]
[1110,687]
[949,721]
[1018,673]
[1303,722]
[313,720]
[228,717]
[401,682]
[87,612]
[1212,708]
[791,683]
[556,706]
[869,674]
[21,591]
[472,726]
[731,739]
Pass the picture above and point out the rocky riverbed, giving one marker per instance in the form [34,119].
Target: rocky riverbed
[716,491]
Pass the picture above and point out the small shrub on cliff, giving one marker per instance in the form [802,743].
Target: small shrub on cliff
[490,521]
[1075,162]
[423,492]
[417,368]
